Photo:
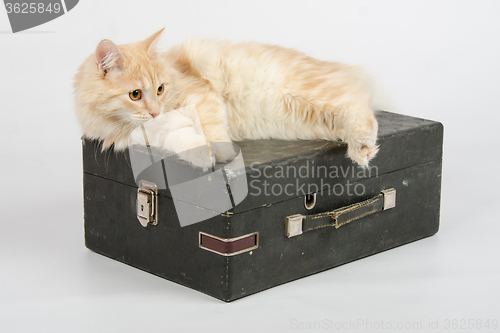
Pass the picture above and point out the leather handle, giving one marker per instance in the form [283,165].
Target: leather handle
[297,224]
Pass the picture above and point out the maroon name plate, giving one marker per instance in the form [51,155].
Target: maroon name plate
[229,246]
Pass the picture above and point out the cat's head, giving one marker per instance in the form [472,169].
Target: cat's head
[119,87]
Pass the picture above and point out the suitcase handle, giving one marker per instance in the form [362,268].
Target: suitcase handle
[297,224]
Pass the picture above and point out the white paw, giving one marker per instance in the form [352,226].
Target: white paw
[223,151]
[198,157]
[193,149]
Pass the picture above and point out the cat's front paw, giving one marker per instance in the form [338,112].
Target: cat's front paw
[198,157]
[223,151]
[195,151]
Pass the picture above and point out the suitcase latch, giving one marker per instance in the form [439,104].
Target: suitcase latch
[147,203]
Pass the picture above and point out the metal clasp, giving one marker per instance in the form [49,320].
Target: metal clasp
[389,198]
[293,225]
[147,203]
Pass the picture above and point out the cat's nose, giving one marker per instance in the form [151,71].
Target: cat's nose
[154,115]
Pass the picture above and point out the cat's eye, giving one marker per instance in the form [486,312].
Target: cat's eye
[135,95]
[160,89]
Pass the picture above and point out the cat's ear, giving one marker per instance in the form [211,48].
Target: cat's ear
[108,56]
[151,43]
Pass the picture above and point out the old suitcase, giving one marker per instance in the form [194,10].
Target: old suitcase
[307,209]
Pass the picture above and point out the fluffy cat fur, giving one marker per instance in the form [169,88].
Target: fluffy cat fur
[241,91]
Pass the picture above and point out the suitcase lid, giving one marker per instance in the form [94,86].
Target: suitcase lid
[278,170]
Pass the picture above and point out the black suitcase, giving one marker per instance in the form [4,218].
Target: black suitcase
[307,209]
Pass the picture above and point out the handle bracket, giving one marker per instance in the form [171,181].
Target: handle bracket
[297,224]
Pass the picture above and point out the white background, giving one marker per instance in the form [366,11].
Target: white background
[435,59]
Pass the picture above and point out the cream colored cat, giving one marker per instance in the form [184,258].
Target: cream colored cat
[241,91]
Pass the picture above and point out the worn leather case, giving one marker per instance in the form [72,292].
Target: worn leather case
[305,226]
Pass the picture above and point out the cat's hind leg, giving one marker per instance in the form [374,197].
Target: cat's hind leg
[358,127]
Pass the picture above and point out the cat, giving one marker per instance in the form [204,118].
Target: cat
[240,91]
